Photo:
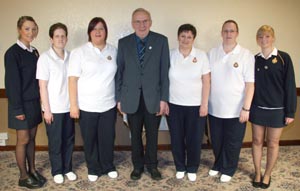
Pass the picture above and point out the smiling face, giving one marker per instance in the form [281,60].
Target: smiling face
[27,32]
[141,23]
[265,40]
[98,34]
[186,40]
[59,39]
[229,33]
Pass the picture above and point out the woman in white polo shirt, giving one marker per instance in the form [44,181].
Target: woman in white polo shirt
[91,74]
[53,81]
[189,76]
[232,88]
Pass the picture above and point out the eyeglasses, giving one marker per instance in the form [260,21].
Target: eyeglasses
[138,22]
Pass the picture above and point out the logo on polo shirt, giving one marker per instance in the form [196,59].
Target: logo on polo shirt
[194,60]
[235,65]
[274,61]
[109,58]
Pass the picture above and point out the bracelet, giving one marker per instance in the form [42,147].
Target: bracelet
[244,109]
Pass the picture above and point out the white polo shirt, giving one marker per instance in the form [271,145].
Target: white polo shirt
[96,71]
[53,69]
[185,75]
[229,72]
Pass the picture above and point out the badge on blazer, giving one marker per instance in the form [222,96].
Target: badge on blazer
[266,67]
[194,60]
[274,61]
[235,65]
[109,58]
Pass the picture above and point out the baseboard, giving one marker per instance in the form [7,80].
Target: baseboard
[165,147]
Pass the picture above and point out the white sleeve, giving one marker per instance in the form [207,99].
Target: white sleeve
[75,63]
[42,70]
[206,67]
[249,68]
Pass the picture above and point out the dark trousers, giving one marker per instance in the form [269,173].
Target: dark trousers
[98,134]
[151,121]
[186,130]
[61,137]
[226,137]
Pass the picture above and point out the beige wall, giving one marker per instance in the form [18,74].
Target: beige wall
[167,15]
[292,132]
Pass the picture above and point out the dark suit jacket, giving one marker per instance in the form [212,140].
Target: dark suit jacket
[151,78]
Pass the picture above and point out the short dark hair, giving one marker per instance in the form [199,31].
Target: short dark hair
[57,26]
[231,21]
[93,23]
[187,27]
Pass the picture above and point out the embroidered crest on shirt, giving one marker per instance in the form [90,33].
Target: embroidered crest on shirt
[109,58]
[194,60]
[274,61]
[235,65]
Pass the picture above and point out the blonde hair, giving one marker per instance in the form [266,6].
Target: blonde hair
[265,29]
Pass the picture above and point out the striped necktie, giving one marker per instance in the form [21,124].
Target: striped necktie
[141,53]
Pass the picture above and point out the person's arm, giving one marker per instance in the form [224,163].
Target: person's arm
[13,85]
[164,78]
[249,92]
[73,94]
[45,101]
[205,94]
[119,77]
[290,92]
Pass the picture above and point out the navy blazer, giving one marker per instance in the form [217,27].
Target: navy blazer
[151,78]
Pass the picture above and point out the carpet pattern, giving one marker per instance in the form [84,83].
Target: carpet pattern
[286,175]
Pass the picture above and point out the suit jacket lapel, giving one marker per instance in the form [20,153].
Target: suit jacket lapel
[133,49]
[149,46]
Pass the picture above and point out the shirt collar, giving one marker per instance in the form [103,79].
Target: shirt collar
[192,53]
[138,39]
[22,45]
[273,53]
[55,56]
[90,44]
[236,49]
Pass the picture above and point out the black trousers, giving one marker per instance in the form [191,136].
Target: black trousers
[227,138]
[98,134]
[186,130]
[61,138]
[151,123]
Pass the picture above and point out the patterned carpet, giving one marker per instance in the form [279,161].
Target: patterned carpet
[286,175]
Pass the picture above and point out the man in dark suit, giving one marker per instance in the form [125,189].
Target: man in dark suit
[142,89]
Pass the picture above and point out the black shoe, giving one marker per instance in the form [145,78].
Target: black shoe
[155,174]
[29,182]
[37,176]
[265,186]
[256,184]
[136,174]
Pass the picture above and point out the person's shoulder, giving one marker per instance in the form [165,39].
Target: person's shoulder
[13,49]
[126,38]
[110,46]
[283,54]
[157,35]
[80,48]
